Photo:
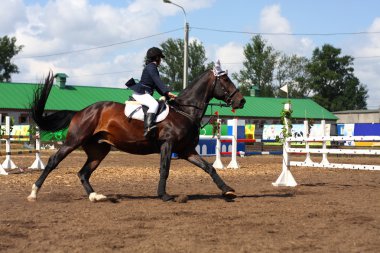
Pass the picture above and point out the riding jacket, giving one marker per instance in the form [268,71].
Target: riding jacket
[150,81]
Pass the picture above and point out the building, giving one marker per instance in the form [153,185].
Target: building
[358,116]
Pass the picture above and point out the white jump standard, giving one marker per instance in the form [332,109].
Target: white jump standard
[287,179]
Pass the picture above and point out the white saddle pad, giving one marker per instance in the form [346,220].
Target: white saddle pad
[131,106]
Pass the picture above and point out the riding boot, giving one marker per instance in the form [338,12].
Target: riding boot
[149,124]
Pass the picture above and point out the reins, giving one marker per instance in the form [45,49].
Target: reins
[228,99]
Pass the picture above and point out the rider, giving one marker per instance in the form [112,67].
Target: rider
[150,81]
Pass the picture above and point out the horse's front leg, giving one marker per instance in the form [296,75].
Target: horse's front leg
[195,159]
[166,153]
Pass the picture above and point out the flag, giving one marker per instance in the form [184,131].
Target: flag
[284,88]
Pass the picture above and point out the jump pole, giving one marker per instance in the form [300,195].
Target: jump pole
[286,178]
[8,163]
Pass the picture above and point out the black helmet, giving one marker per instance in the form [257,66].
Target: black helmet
[153,52]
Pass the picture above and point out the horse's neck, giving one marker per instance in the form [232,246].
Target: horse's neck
[194,100]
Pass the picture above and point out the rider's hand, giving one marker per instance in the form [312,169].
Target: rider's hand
[171,95]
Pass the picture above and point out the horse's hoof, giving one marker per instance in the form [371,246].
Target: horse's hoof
[167,197]
[31,198]
[95,197]
[229,195]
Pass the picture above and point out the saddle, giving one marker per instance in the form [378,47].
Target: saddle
[135,110]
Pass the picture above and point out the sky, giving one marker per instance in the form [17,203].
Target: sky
[103,43]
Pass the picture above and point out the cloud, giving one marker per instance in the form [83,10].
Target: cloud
[367,69]
[12,13]
[272,21]
[231,56]
[69,25]
[188,5]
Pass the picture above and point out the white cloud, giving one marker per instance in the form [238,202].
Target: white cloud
[367,69]
[272,21]
[69,25]
[231,56]
[188,5]
[12,13]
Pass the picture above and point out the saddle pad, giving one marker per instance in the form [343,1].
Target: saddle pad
[136,107]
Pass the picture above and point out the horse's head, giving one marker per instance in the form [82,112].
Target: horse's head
[224,89]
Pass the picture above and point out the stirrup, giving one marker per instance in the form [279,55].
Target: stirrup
[149,133]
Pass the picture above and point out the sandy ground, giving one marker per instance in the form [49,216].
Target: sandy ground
[329,211]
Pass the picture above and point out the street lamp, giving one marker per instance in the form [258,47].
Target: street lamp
[185,45]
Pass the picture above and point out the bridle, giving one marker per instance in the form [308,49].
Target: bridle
[228,96]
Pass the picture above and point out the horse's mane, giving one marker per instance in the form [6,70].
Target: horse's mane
[195,81]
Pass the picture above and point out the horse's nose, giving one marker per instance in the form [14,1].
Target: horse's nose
[242,102]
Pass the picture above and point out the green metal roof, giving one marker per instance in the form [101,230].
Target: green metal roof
[265,107]
[19,96]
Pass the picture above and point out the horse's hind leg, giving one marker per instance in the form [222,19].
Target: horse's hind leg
[95,154]
[54,160]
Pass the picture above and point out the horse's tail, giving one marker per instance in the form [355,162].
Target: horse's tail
[55,121]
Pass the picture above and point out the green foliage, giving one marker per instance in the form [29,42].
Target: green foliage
[8,50]
[291,71]
[172,66]
[286,121]
[259,66]
[333,82]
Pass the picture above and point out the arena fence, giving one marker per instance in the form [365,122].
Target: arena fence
[8,138]
[286,178]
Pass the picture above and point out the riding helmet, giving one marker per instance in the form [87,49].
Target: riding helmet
[154,52]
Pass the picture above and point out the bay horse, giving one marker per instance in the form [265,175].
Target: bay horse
[102,125]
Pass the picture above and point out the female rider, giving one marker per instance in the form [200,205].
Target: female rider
[150,81]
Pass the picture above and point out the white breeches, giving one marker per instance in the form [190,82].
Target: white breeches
[146,100]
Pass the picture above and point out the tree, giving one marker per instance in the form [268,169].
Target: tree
[333,82]
[172,66]
[258,68]
[291,71]
[8,49]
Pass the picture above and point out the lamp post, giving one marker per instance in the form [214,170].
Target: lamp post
[185,45]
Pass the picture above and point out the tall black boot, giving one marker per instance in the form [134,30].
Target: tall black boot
[149,125]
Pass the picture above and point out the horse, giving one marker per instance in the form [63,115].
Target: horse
[103,125]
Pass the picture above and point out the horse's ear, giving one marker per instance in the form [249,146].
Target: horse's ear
[218,71]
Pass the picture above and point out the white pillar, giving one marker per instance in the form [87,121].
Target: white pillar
[307,144]
[38,164]
[286,178]
[8,163]
[234,164]
[2,171]
[324,144]
[218,161]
